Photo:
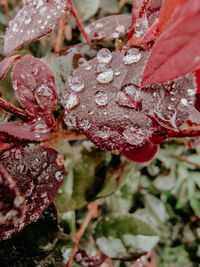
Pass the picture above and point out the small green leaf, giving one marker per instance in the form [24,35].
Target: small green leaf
[125,237]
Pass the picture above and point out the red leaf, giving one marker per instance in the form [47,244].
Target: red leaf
[35,86]
[36,130]
[176,52]
[5,65]
[33,21]
[38,172]
[109,28]
[142,154]
[118,114]
[12,209]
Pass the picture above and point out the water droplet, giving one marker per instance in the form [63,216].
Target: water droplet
[70,101]
[120,28]
[104,55]
[85,124]
[141,27]
[59,160]
[115,35]
[43,10]
[20,168]
[191,92]
[40,127]
[101,98]
[104,132]
[117,73]
[76,83]
[88,67]
[99,26]
[134,136]
[34,217]
[132,56]
[59,176]
[44,194]
[184,101]
[15,28]
[27,20]
[105,76]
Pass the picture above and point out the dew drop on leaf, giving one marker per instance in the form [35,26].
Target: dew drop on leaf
[101,98]
[132,56]
[104,55]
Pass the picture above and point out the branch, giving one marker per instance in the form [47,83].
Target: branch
[92,212]
[71,8]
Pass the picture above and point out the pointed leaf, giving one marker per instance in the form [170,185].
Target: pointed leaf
[176,51]
[33,21]
[34,131]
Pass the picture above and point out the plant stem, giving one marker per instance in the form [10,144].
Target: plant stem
[23,115]
[71,8]
[92,212]
[184,159]
[61,33]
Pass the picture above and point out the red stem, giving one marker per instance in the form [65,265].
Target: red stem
[181,133]
[71,8]
[23,115]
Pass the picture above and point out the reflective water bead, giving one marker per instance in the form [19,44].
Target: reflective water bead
[134,136]
[132,56]
[101,98]
[105,77]
[70,101]
[104,55]
[85,124]
[76,84]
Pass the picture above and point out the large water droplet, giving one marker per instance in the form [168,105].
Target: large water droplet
[70,101]
[104,55]
[120,28]
[134,136]
[40,127]
[27,20]
[101,98]
[76,83]
[105,76]
[132,56]
[59,176]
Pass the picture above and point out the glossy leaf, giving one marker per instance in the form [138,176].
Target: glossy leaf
[109,28]
[142,154]
[35,87]
[38,173]
[33,21]
[36,130]
[176,51]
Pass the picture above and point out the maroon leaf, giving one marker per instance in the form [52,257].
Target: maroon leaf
[35,87]
[118,114]
[36,130]
[142,154]
[176,52]
[5,65]
[12,208]
[109,28]
[83,259]
[38,172]
[33,21]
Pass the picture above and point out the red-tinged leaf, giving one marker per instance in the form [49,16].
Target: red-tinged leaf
[12,208]
[83,259]
[38,172]
[142,154]
[118,114]
[33,21]
[167,10]
[36,130]
[109,117]
[35,87]
[176,51]
[109,28]
[5,65]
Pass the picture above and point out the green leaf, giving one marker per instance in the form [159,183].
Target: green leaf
[125,237]
[195,204]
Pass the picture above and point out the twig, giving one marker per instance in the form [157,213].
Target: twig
[92,213]
[184,159]
[61,33]
[122,3]
[4,3]
[71,8]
